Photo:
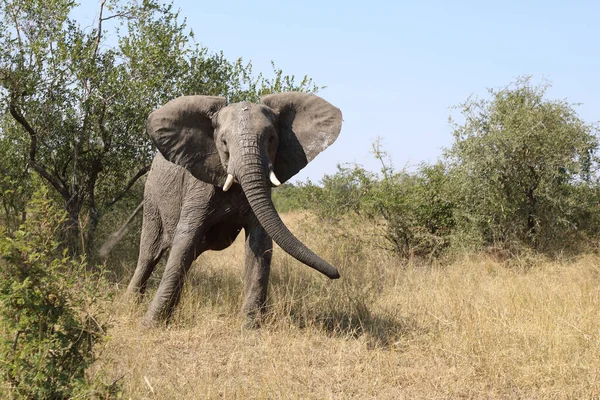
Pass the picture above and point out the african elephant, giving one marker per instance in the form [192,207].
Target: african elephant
[212,177]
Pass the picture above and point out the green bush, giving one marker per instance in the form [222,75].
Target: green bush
[289,197]
[521,175]
[412,211]
[416,210]
[344,192]
[48,309]
[524,170]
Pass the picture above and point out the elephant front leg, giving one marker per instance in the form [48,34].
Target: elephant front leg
[168,293]
[151,249]
[259,249]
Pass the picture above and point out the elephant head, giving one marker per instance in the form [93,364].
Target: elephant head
[253,144]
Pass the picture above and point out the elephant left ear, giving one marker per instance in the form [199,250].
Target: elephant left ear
[182,131]
[307,126]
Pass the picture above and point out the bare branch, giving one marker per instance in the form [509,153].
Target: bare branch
[19,333]
[106,139]
[57,174]
[100,19]
[122,194]
[53,181]
[16,114]
[116,237]
[117,15]
[18,30]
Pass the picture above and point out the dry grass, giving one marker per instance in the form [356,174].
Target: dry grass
[474,328]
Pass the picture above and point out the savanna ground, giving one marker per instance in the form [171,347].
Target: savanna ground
[471,327]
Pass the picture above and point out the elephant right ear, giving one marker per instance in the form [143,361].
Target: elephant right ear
[182,131]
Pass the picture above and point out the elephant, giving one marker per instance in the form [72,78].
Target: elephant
[212,176]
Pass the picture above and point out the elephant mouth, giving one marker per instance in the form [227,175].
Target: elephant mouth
[231,179]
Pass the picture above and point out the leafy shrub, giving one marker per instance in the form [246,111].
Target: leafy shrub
[521,175]
[414,207]
[47,328]
[411,211]
[345,191]
[520,165]
[301,196]
[417,213]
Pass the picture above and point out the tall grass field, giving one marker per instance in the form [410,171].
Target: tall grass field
[471,327]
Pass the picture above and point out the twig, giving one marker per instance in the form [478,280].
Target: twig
[118,197]
[148,384]
[99,37]
[14,346]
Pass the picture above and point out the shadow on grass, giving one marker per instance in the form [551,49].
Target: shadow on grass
[354,320]
[379,331]
[342,312]
[204,292]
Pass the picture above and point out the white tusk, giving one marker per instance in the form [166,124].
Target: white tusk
[228,182]
[274,179]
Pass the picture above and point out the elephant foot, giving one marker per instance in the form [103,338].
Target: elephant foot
[254,318]
[151,323]
[155,317]
[251,322]
[133,296]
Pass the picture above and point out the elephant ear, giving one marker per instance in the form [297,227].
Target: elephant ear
[182,131]
[307,126]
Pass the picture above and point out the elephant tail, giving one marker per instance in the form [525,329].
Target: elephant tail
[116,237]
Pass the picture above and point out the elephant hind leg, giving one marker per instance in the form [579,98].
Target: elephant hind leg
[151,249]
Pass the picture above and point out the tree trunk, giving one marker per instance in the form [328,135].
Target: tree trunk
[72,231]
[532,218]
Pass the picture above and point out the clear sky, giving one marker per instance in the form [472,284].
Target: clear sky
[395,67]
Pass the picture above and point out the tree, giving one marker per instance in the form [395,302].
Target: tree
[49,311]
[77,98]
[15,185]
[518,161]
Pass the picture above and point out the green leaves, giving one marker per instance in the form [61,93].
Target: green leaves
[79,96]
[409,212]
[515,161]
[47,328]
[522,172]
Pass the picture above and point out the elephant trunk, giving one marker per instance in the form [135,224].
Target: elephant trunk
[254,184]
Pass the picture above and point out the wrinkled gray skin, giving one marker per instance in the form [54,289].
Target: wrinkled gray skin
[201,140]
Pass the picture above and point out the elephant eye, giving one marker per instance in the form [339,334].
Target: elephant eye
[273,141]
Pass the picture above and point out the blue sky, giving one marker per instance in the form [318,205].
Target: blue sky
[394,67]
